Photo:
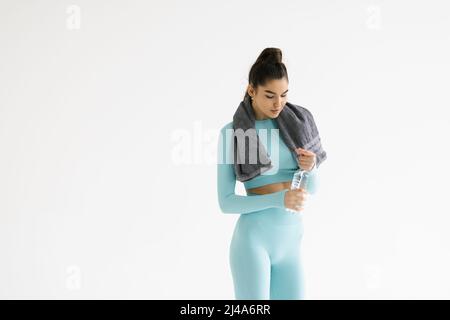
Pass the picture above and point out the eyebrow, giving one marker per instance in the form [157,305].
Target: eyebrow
[274,92]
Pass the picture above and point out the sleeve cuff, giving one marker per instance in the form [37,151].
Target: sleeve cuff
[281,195]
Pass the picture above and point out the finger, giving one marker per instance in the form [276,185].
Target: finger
[305,165]
[302,196]
[306,156]
[304,151]
[305,161]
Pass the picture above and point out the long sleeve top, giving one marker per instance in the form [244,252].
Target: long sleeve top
[284,167]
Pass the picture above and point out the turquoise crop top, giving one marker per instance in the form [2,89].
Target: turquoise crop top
[284,166]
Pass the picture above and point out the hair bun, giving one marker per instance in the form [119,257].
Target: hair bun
[270,55]
[268,66]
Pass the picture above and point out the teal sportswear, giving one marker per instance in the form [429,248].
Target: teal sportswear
[264,254]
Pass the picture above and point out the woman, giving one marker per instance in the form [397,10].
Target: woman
[265,248]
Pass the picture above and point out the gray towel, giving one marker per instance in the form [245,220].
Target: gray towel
[297,129]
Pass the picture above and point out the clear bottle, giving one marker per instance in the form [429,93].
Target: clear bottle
[299,180]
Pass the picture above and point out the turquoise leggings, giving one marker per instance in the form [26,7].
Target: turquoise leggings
[265,255]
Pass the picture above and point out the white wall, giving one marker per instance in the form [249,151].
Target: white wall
[100,100]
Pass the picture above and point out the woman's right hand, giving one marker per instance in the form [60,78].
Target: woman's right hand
[295,199]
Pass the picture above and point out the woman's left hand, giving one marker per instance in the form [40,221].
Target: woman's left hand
[306,159]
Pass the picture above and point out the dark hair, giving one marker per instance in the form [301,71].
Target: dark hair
[268,66]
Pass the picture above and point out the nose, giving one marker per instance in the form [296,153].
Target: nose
[277,104]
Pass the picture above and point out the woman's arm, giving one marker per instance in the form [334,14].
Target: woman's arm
[313,181]
[229,201]
[308,159]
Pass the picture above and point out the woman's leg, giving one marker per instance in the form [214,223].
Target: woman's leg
[287,280]
[282,240]
[250,263]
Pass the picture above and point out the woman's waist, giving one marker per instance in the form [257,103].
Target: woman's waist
[275,216]
[270,188]
[281,176]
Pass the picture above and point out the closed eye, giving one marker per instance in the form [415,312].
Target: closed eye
[273,96]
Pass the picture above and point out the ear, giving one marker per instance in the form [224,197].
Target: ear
[250,90]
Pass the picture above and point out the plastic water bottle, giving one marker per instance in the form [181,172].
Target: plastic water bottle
[299,180]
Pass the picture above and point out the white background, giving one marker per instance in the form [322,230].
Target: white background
[109,119]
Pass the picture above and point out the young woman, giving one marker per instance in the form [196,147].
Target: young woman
[265,248]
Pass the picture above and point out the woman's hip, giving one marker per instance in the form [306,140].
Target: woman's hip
[273,217]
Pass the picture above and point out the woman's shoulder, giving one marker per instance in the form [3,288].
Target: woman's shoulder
[302,110]
[299,107]
[224,134]
[228,125]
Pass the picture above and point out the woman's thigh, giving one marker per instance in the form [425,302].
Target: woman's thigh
[249,262]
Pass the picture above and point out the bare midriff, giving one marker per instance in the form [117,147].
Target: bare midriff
[270,188]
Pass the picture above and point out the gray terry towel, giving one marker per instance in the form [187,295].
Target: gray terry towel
[297,129]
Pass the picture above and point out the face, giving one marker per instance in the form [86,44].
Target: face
[269,100]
